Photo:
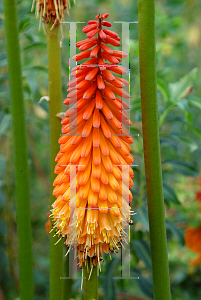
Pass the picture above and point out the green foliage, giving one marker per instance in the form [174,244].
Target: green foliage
[143,251]
[108,282]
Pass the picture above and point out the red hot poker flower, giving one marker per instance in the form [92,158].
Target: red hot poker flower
[99,145]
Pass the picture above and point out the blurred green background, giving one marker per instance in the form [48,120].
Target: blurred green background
[178,45]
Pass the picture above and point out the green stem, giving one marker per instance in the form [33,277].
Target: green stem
[160,270]
[20,151]
[55,107]
[91,285]
[68,282]
[9,217]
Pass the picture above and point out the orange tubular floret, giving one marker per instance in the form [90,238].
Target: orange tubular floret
[99,100]
[106,49]
[107,24]
[87,46]
[89,27]
[86,41]
[120,54]
[82,55]
[102,35]
[111,33]
[96,140]
[94,52]
[91,33]
[91,74]
[112,41]
[100,82]
[109,57]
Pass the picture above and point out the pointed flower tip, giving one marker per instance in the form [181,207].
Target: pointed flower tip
[102,17]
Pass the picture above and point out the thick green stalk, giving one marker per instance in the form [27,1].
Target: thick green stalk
[20,152]
[91,285]
[55,107]
[68,283]
[160,270]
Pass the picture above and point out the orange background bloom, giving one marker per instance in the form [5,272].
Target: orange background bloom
[193,236]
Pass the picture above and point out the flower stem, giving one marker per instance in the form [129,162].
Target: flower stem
[20,151]
[68,283]
[55,107]
[160,269]
[90,285]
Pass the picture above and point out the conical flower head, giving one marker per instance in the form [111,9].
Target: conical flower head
[96,140]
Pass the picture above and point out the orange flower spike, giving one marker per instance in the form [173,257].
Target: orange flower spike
[98,144]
